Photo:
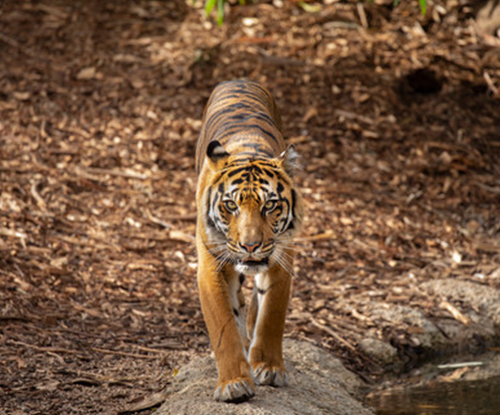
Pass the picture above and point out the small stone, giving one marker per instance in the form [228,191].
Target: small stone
[379,351]
[86,73]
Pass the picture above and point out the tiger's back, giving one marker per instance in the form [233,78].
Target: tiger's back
[242,116]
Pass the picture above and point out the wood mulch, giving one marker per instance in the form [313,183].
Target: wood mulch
[396,116]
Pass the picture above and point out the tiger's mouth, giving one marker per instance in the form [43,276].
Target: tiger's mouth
[251,262]
[252,266]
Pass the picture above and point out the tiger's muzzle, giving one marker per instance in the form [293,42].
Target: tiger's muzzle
[254,262]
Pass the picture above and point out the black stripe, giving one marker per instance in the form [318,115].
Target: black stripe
[238,170]
[236,182]
[211,223]
[209,196]
[215,117]
[265,132]
[280,188]
[294,200]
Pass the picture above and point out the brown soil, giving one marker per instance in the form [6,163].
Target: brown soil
[398,124]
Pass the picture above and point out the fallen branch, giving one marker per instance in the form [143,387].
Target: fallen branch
[491,85]
[330,332]
[146,402]
[134,355]
[328,234]
[460,365]
[457,315]
[119,173]
[156,220]
[47,349]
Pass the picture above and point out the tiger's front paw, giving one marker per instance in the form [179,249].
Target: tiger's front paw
[270,375]
[235,390]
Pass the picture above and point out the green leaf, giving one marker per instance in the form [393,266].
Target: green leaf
[310,8]
[220,12]
[423,7]
[209,6]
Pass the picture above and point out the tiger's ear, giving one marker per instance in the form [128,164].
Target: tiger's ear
[216,153]
[289,160]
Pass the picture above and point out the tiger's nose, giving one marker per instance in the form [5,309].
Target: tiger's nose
[250,246]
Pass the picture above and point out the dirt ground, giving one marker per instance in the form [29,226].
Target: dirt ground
[397,119]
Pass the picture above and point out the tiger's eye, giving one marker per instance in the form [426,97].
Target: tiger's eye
[230,205]
[270,205]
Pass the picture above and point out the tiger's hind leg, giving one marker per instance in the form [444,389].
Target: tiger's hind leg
[269,309]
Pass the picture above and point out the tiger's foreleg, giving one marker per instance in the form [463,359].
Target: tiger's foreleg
[267,317]
[218,303]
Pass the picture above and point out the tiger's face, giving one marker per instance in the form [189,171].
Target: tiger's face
[251,211]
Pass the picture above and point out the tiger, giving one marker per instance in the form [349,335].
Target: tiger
[248,211]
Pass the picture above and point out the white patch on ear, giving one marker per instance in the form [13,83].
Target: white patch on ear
[216,153]
[290,159]
[219,151]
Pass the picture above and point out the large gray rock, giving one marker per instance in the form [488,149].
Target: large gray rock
[319,384]
[484,299]
[475,324]
[427,334]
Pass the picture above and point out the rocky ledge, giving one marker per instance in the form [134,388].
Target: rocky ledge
[319,384]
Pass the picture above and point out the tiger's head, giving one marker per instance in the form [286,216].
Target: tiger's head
[250,209]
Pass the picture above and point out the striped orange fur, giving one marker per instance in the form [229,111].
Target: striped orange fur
[248,212]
